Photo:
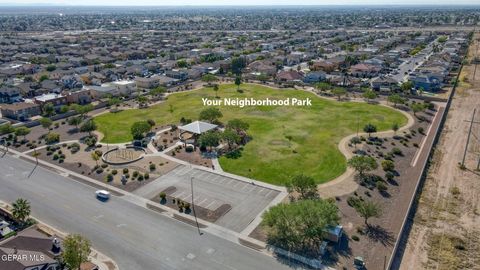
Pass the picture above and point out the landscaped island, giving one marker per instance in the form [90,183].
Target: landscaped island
[286,141]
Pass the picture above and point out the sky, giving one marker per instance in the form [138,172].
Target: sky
[241,2]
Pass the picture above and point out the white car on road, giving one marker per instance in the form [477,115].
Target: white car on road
[102,194]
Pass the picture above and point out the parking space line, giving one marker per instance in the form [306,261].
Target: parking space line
[238,182]
[210,204]
[244,186]
[266,195]
[200,203]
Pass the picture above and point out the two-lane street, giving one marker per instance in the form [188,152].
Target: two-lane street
[135,237]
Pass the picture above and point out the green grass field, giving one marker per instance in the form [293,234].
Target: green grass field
[286,140]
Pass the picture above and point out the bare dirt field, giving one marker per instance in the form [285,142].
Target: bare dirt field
[445,233]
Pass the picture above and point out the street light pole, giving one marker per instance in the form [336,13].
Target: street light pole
[193,206]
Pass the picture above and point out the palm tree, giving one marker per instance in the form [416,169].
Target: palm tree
[21,210]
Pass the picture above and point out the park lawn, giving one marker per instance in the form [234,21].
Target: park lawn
[285,140]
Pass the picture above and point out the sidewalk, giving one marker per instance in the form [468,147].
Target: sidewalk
[101,260]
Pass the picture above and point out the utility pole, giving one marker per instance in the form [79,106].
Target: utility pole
[468,136]
[193,206]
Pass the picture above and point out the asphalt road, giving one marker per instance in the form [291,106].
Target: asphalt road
[410,64]
[135,237]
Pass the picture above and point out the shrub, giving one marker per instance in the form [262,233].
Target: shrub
[388,165]
[99,170]
[109,177]
[140,177]
[152,167]
[146,175]
[381,186]
[420,130]
[353,201]
[163,195]
[55,157]
[189,148]
[52,138]
[125,170]
[104,165]
[396,151]
[389,175]
[355,238]
[135,174]
[114,172]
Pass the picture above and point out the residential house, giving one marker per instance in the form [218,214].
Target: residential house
[383,83]
[9,95]
[364,70]
[147,83]
[289,76]
[315,77]
[20,111]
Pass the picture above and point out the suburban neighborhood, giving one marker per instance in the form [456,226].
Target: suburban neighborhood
[242,137]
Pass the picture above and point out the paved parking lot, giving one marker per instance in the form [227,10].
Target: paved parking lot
[211,190]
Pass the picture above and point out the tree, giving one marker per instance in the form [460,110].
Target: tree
[369,95]
[231,137]
[210,114]
[88,126]
[82,109]
[417,107]
[158,91]
[238,81]
[51,68]
[36,155]
[395,127]
[209,139]
[369,128]
[139,128]
[238,125]
[20,210]
[339,92]
[46,123]
[48,109]
[75,251]
[209,78]
[304,185]
[113,101]
[142,99]
[6,128]
[406,87]
[95,157]
[238,64]
[262,77]
[368,209]
[301,225]
[362,164]
[323,86]
[215,88]
[75,121]
[22,131]
[395,99]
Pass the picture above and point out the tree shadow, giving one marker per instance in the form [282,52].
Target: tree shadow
[379,234]
[341,249]
[33,170]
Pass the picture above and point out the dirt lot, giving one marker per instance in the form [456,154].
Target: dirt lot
[445,233]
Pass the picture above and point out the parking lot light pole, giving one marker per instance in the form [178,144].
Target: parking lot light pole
[193,206]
